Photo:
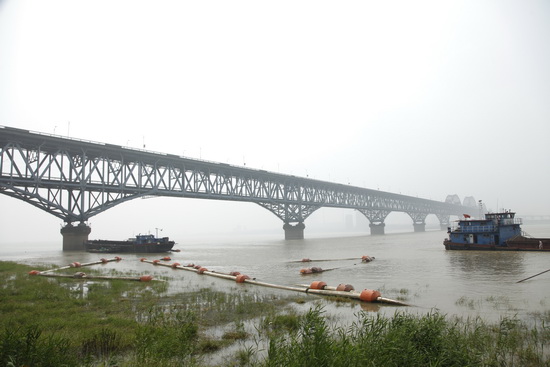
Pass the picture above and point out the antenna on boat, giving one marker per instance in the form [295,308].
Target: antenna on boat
[157,232]
[480,209]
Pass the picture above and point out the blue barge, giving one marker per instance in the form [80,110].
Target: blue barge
[497,232]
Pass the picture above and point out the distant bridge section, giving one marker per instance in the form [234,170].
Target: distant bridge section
[76,179]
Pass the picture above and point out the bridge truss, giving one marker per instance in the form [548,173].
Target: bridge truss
[75,180]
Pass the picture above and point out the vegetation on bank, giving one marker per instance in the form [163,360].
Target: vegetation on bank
[66,322]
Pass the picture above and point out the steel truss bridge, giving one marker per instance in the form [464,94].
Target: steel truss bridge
[76,179]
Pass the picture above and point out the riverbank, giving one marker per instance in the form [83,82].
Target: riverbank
[79,322]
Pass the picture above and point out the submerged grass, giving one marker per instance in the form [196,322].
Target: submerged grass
[409,340]
[54,322]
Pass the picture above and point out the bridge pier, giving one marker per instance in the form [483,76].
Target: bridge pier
[74,237]
[419,227]
[294,232]
[377,228]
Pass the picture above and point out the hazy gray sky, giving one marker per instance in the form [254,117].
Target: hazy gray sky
[423,98]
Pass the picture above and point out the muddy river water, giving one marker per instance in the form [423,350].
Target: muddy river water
[413,267]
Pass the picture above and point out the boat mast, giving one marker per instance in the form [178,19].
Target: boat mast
[480,209]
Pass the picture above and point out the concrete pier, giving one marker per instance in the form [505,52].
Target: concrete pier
[294,232]
[377,228]
[419,227]
[75,236]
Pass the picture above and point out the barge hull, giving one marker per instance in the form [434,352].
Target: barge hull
[103,246]
[511,245]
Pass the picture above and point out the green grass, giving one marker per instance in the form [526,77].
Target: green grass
[409,340]
[50,322]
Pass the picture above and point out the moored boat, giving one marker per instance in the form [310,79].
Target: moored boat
[143,243]
[497,232]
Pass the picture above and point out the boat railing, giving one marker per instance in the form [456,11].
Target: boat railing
[510,221]
[475,229]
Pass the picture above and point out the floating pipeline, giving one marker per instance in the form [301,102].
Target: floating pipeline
[367,295]
[316,287]
[362,258]
[316,270]
[81,275]
[79,265]
[312,270]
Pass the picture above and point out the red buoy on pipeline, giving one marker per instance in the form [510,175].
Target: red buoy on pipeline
[145,278]
[311,270]
[76,264]
[104,260]
[175,265]
[368,295]
[118,258]
[34,272]
[318,285]
[241,278]
[156,261]
[202,270]
[235,273]
[344,287]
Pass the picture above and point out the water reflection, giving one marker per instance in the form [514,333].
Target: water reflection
[487,263]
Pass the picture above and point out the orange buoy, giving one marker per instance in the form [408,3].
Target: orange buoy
[118,258]
[104,260]
[202,270]
[368,295]
[318,285]
[241,278]
[156,261]
[76,264]
[34,272]
[306,271]
[366,258]
[166,258]
[345,287]
[306,260]
[235,273]
[145,278]
[142,259]
[175,265]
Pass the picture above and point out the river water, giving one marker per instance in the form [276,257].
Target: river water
[413,267]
